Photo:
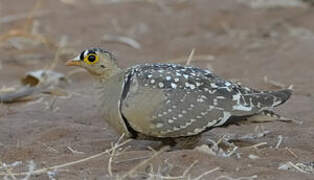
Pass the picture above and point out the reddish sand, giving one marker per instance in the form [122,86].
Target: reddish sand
[246,44]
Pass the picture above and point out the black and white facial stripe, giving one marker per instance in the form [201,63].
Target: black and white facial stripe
[94,51]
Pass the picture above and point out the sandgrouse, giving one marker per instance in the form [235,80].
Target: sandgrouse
[170,101]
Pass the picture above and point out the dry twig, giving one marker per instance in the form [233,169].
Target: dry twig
[141,164]
[280,138]
[292,153]
[188,62]
[52,168]
[274,83]
[206,173]
[17,17]
[114,148]
[122,39]
[198,58]
[74,151]
[289,164]
[255,146]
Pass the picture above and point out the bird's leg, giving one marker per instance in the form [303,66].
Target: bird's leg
[188,142]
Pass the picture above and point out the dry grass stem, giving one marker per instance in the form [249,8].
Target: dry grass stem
[74,151]
[292,153]
[198,58]
[280,138]
[123,40]
[290,120]
[290,164]
[206,173]
[256,146]
[21,33]
[27,30]
[61,45]
[114,148]
[52,168]
[21,16]
[31,168]
[274,83]
[143,163]
[190,58]
[185,174]
[151,149]
[30,16]
[187,170]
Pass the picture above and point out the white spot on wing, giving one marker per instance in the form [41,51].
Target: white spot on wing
[173,85]
[220,97]
[161,85]
[159,125]
[215,102]
[188,85]
[178,74]
[227,83]
[238,105]
[213,85]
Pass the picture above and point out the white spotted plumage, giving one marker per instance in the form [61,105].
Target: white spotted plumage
[170,100]
[193,93]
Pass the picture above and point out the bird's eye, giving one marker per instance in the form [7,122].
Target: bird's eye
[91,59]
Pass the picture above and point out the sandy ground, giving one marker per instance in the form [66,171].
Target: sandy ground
[244,41]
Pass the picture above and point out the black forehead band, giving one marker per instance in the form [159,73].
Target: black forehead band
[82,55]
[93,51]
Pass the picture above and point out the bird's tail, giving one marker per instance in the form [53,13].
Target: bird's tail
[281,95]
[252,103]
[266,99]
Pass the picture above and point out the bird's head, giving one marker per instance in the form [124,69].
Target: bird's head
[96,61]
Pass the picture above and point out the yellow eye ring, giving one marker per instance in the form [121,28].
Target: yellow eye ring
[91,58]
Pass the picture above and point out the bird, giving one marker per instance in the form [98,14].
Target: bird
[171,103]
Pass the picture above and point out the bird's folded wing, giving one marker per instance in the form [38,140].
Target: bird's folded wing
[168,103]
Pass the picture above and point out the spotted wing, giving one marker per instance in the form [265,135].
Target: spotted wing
[167,100]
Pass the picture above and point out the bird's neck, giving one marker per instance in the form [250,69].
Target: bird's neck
[109,74]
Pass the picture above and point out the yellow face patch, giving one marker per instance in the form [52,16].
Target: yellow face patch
[91,58]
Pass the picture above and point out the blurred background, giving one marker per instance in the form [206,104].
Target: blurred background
[266,44]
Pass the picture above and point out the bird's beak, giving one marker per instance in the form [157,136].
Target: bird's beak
[74,62]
